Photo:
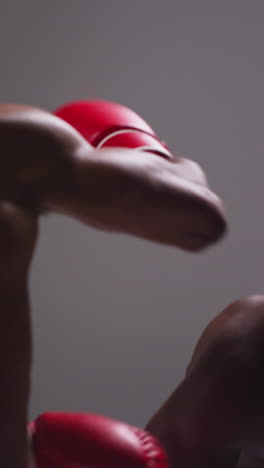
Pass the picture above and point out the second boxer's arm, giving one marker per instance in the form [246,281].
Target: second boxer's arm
[218,407]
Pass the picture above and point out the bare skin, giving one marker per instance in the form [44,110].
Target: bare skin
[18,231]
[47,166]
[215,416]
[166,201]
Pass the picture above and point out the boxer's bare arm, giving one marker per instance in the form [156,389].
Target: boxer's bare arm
[18,233]
[143,195]
[46,164]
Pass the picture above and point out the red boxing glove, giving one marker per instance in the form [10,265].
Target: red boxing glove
[75,440]
[104,123]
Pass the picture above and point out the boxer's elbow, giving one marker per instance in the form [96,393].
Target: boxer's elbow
[211,226]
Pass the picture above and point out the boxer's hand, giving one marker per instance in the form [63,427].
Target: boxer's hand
[217,411]
[48,165]
[18,233]
[75,440]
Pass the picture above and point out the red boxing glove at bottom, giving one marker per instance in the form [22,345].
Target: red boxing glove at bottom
[75,440]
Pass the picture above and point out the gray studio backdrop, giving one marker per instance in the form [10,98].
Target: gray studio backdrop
[115,319]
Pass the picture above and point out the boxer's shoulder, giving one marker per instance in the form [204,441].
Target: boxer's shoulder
[36,147]
[33,125]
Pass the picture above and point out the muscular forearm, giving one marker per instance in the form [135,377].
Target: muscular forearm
[48,165]
[143,195]
[18,231]
[15,366]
